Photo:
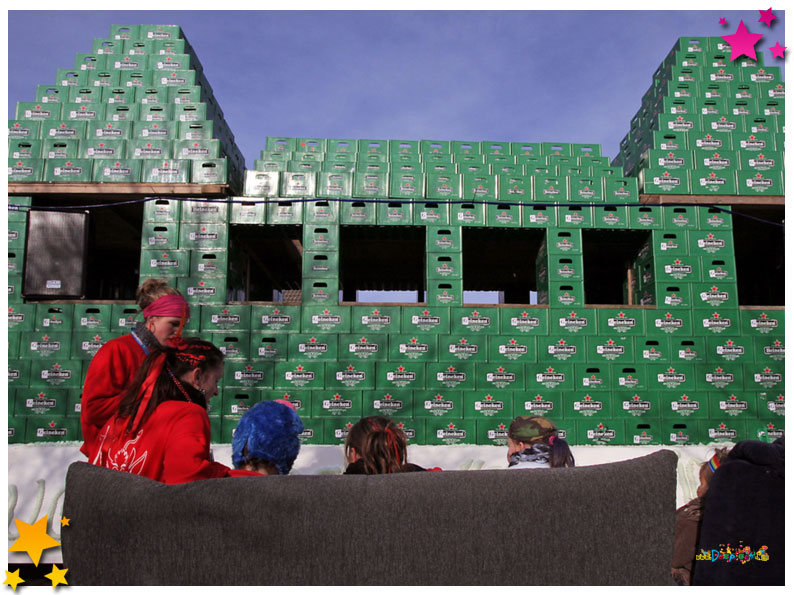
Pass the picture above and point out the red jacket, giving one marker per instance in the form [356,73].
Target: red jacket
[111,371]
[173,446]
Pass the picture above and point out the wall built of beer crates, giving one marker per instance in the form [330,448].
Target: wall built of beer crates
[623,322]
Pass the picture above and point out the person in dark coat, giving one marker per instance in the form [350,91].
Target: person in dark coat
[745,508]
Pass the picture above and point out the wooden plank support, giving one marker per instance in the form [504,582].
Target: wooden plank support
[110,189]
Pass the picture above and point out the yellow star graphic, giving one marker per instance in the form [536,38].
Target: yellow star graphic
[33,539]
[13,579]
[57,576]
[65,521]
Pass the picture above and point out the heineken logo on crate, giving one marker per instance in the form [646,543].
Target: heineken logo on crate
[717,162]
[240,408]
[572,322]
[202,290]
[610,350]
[276,320]
[636,405]
[762,76]
[574,217]
[62,130]
[720,378]
[476,321]
[116,170]
[753,143]
[733,405]
[444,242]
[401,377]
[109,131]
[163,261]
[150,151]
[438,405]
[761,162]
[467,216]
[710,243]
[586,192]
[722,431]
[203,235]
[524,322]
[306,434]
[621,323]
[249,376]
[155,131]
[299,376]
[225,318]
[498,433]
[549,378]
[721,76]
[776,350]
[566,298]
[673,299]
[82,113]
[312,348]
[668,323]
[628,381]
[777,405]
[489,405]
[670,378]
[716,323]
[450,434]
[326,320]
[350,376]
[680,124]
[671,161]
[45,346]
[714,297]
[320,295]
[233,350]
[685,405]
[410,433]
[512,349]
[561,350]
[500,378]
[772,432]
[15,317]
[601,432]
[56,375]
[566,272]
[592,381]
[610,219]
[642,438]
[768,378]
[666,181]
[413,348]
[759,183]
[730,350]
[68,170]
[463,349]
[445,297]
[51,431]
[20,169]
[297,402]
[450,377]
[363,348]
[425,321]
[376,320]
[102,151]
[763,323]
[13,374]
[678,270]
[540,218]
[40,403]
[537,404]
[588,406]
[337,405]
[387,404]
[679,437]
[724,124]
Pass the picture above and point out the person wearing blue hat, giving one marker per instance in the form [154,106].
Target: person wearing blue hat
[267,438]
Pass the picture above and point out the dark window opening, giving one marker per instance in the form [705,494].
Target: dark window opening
[760,255]
[501,261]
[114,245]
[608,255]
[374,260]
[265,263]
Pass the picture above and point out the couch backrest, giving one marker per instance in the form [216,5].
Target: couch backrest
[599,525]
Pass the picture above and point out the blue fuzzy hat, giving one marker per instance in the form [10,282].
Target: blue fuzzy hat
[270,430]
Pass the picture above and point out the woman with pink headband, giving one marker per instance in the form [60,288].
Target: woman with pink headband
[113,368]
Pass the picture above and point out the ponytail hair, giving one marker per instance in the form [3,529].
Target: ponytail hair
[560,454]
[381,445]
[536,429]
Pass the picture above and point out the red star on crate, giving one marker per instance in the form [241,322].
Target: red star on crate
[550,369]
[463,341]
[363,339]
[439,397]
[350,368]
[588,398]
[337,396]
[451,426]
[513,341]
[475,313]
[414,340]
[489,397]
[401,368]
[561,342]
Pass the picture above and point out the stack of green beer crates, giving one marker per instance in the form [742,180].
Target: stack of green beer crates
[137,108]
[708,125]
[409,176]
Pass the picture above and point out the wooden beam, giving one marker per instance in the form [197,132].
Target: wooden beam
[710,199]
[110,190]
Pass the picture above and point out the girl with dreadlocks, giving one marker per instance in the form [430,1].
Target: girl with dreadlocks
[376,445]
[688,519]
[161,429]
[114,366]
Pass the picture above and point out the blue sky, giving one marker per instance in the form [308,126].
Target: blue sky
[561,76]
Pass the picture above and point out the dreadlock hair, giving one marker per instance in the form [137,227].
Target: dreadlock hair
[380,443]
[188,355]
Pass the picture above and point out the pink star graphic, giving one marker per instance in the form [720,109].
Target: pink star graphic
[723,22]
[766,17]
[742,42]
[777,50]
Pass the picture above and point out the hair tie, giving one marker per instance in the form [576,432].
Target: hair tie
[551,439]
[714,462]
[190,359]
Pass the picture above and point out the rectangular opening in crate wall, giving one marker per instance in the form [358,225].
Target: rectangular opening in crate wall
[759,250]
[265,263]
[500,264]
[375,260]
[607,257]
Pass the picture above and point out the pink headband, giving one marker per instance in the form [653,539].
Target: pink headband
[168,305]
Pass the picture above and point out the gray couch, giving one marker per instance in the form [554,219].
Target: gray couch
[606,524]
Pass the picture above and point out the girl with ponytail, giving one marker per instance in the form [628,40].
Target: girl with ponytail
[533,443]
[377,445]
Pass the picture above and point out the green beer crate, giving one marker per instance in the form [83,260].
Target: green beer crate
[585,188]
[225,318]
[21,317]
[358,213]
[672,322]
[117,170]
[610,217]
[18,207]
[18,376]
[54,374]
[677,269]
[201,290]
[195,129]
[209,171]
[300,399]
[85,344]
[617,349]
[435,319]
[24,149]
[400,375]
[447,186]
[83,111]
[123,317]
[446,376]
[150,149]
[725,377]
[592,377]
[312,346]
[370,184]
[335,184]
[444,266]
[444,292]
[583,404]
[92,317]
[16,261]
[469,214]
[336,403]
[768,349]
[235,346]
[761,376]
[525,149]
[164,263]
[406,185]
[321,238]
[421,347]
[539,216]
[110,130]
[722,295]
[460,148]
[760,162]
[530,320]
[549,374]
[203,149]
[34,110]
[630,377]
[680,433]
[550,189]
[680,217]
[440,402]
[771,404]
[733,348]
[53,428]
[64,129]
[662,181]
[205,211]
[269,346]
[714,182]
[17,232]
[515,187]
[444,239]
[160,236]
[723,431]
[620,322]
[677,377]
[345,375]
[238,402]
[670,140]
[599,432]
[61,148]
[394,212]
[54,317]
[474,320]
[546,403]
[644,432]
[320,292]
[637,406]
[381,147]
[430,213]
[767,430]
[759,321]
[769,182]
[275,318]
[40,401]
[321,265]
[492,433]
[566,322]
[114,149]
[364,346]
[14,341]
[478,186]
[684,404]
[560,267]
[284,212]
[367,319]
[304,166]
[29,129]
[203,236]
[503,215]
[325,318]
[450,431]
[249,374]
[68,170]
[674,295]
[462,347]
[51,94]
[25,170]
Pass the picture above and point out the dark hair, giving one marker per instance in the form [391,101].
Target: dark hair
[380,443]
[560,454]
[192,353]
